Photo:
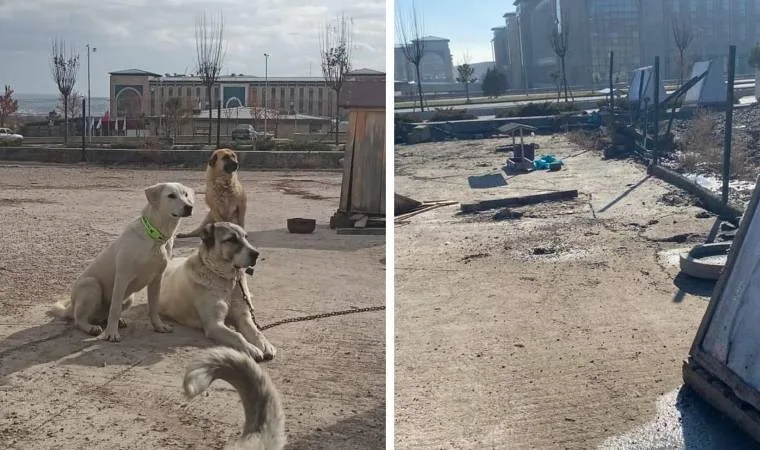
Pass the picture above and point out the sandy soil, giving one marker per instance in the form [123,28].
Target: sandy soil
[557,330]
[62,389]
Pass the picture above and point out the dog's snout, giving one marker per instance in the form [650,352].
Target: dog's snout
[254,255]
[188,210]
[230,166]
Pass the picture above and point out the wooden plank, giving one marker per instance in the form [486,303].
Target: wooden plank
[363,231]
[519,201]
[424,208]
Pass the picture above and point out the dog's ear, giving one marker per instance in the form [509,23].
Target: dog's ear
[207,235]
[212,161]
[153,193]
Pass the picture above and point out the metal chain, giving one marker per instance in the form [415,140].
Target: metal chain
[302,318]
[315,316]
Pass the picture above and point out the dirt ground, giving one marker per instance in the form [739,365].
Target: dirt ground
[62,389]
[560,329]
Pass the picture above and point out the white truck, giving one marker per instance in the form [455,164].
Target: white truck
[8,137]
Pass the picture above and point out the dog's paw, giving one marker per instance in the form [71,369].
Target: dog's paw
[254,353]
[268,350]
[122,323]
[94,330]
[110,335]
[162,327]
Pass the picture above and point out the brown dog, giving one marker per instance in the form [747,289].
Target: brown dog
[225,195]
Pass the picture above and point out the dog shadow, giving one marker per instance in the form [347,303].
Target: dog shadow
[323,238]
[58,340]
[361,431]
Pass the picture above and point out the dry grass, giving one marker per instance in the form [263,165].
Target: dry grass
[702,152]
[586,140]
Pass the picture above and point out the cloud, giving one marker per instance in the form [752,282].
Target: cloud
[159,35]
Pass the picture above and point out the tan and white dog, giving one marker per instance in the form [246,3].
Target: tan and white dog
[225,195]
[264,427]
[136,259]
[202,291]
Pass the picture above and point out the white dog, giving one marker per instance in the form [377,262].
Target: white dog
[202,291]
[136,259]
[264,427]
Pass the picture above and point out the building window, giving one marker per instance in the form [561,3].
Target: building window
[320,103]
[300,100]
[311,101]
[282,98]
[254,95]
[216,95]
[292,93]
[330,103]
[171,91]
[162,91]
[189,92]
[198,92]
[179,92]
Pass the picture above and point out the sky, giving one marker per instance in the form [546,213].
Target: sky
[159,36]
[467,24]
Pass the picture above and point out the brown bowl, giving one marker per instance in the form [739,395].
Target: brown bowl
[301,226]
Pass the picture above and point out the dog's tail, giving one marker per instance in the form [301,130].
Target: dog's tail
[61,309]
[264,418]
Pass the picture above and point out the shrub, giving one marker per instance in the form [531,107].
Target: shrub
[537,109]
[449,114]
[407,118]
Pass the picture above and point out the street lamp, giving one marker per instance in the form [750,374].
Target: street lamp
[89,106]
[266,90]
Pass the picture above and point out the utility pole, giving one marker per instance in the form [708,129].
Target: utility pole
[89,105]
[266,91]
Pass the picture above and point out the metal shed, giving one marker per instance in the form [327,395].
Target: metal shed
[363,189]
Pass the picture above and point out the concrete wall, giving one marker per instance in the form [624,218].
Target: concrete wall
[173,158]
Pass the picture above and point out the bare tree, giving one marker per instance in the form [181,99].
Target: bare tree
[64,67]
[466,75]
[560,41]
[410,33]
[177,114]
[336,46]
[210,51]
[683,35]
[73,104]
[557,79]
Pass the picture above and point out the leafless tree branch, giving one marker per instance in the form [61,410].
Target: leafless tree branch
[335,51]
[410,31]
[210,51]
[683,35]
[64,68]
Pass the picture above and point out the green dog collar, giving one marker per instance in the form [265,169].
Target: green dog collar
[152,231]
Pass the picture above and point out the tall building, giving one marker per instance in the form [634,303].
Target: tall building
[635,30]
[514,49]
[500,47]
[436,65]
[137,92]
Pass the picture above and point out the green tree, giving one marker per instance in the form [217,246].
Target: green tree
[494,82]
[465,76]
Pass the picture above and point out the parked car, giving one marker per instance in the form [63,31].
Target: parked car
[244,133]
[8,137]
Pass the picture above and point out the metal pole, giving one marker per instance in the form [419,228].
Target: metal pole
[266,91]
[656,132]
[87,114]
[612,95]
[218,121]
[84,125]
[729,122]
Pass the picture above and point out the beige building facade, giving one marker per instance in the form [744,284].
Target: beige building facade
[137,93]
